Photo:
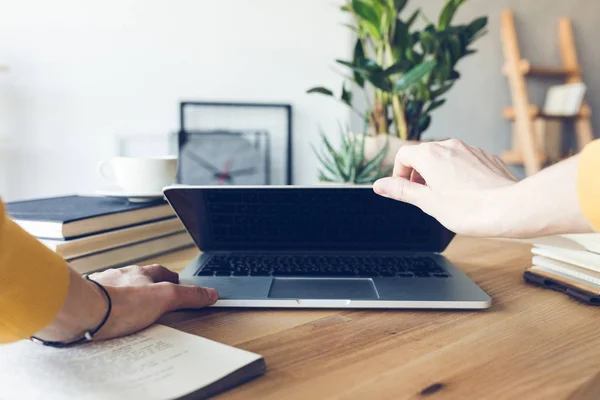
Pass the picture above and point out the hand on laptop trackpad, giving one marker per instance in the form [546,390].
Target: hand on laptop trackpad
[306,288]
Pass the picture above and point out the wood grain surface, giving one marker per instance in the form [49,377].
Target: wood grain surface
[532,344]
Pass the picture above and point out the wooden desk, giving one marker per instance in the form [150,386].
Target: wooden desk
[532,344]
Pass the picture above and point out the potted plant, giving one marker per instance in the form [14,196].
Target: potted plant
[403,72]
[349,163]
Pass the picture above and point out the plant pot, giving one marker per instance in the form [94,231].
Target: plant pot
[374,144]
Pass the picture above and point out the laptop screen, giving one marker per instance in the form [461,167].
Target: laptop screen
[303,219]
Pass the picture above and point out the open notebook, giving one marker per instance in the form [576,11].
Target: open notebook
[157,363]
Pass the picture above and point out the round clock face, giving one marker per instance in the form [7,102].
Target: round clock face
[222,159]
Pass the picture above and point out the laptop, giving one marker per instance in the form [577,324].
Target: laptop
[318,247]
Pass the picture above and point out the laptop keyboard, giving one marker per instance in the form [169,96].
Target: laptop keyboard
[322,266]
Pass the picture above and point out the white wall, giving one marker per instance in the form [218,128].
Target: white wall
[83,73]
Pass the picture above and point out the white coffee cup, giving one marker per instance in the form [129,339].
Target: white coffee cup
[139,175]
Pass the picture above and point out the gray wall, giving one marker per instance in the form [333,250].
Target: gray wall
[473,110]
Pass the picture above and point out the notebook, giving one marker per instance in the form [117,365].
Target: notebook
[578,241]
[564,99]
[131,253]
[570,267]
[157,363]
[104,241]
[77,216]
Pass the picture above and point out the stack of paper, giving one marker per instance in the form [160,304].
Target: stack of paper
[569,263]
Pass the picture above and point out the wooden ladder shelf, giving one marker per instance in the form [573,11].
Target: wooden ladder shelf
[529,120]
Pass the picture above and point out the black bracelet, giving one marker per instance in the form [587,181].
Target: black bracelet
[88,335]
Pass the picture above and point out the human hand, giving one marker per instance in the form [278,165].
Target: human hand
[139,295]
[460,186]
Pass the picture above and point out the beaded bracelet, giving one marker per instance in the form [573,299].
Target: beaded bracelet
[88,335]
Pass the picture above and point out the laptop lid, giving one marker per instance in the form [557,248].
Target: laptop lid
[293,218]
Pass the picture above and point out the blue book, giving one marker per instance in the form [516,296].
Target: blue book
[71,217]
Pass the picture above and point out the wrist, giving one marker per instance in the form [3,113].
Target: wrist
[84,308]
[541,205]
[503,208]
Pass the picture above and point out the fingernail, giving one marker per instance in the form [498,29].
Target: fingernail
[379,187]
[212,294]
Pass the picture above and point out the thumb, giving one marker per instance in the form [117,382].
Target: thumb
[403,190]
[188,296]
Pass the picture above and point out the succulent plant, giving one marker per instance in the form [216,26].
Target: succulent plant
[347,164]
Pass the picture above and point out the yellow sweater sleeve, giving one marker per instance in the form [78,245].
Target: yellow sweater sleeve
[588,183]
[33,282]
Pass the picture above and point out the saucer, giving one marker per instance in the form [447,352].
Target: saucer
[132,197]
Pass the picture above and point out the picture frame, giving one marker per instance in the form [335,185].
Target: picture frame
[273,118]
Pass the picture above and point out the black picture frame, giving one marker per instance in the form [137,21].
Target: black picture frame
[287,108]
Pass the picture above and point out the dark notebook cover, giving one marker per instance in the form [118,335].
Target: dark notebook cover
[72,208]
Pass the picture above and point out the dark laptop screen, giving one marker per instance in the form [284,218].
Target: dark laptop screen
[304,219]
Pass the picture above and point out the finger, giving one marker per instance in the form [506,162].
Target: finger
[404,161]
[403,190]
[176,297]
[416,177]
[488,160]
[504,167]
[158,273]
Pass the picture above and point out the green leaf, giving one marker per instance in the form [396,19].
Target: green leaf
[369,13]
[454,74]
[359,53]
[345,8]
[375,162]
[359,59]
[380,81]
[327,164]
[399,5]
[361,152]
[424,123]
[413,18]
[324,178]
[368,66]
[353,156]
[339,161]
[427,41]
[401,35]
[321,90]
[447,14]
[367,179]
[413,76]
[441,90]
[446,66]
[455,48]
[370,71]
[401,66]
[475,27]
[433,105]
[346,96]
[351,27]
[410,54]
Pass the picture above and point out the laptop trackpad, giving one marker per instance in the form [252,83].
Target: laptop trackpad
[304,288]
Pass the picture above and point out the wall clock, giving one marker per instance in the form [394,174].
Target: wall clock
[223,158]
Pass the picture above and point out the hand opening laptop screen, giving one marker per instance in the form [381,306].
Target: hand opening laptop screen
[304,219]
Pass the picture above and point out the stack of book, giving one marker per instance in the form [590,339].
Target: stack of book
[95,233]
[568,263]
